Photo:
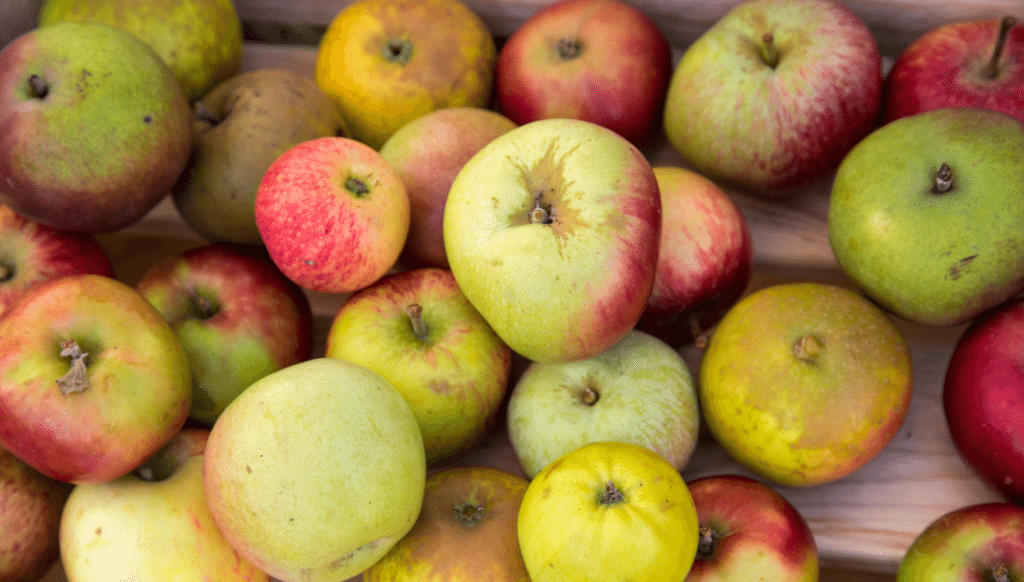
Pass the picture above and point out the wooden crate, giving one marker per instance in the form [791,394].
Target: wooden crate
[862,523]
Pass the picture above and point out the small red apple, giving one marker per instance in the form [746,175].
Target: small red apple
[30,511]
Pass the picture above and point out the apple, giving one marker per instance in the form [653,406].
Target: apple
[705,258]
[200,40]
[387,62]
[151,525]
[983,397]
[315,471]
[638,391]
[940,171]
[94,128]
[333,214]
[774,93]
[803,383]
[417,329]
[93,381]
[234,142]
[31,253]
[552,232]
[428,153]
[983,541]
[465,531]
[30,510]
[608,511]
[748,531]
[967,63]
[603,61]
[237,316]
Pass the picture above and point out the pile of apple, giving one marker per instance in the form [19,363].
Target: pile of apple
[475,205]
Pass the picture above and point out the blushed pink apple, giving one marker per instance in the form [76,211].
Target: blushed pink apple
[333,214]
[30,510]
[603,61]
[705,258]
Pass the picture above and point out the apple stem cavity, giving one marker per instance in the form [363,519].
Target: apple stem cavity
[808,348]
[589,396]
[705,541]
[469,514]
[37,87]
[569,48]
[943,179]
[991,70]
[611,495]
[768,50]
[1000,573]
[398,51]
[6,272]
[76,379]
[357,187]
[204,307]
[539,214]
[419,327]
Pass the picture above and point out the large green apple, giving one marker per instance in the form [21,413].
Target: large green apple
[200,40]
[926,213]
[315,471]
[804,383]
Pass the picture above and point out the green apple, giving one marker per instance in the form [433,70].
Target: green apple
[552,232]
[200,40]
[95,128]
[925,214]
[804,383]
[638,391]
[241,126]
[152,525]
[417,329]
[315,471]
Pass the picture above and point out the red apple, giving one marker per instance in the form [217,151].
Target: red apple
[30,510]
[971,63]
[93,381]
[333,214]
[31,253]
[705,259]
[237,316]
[602,61]
[983,397]
[749,532]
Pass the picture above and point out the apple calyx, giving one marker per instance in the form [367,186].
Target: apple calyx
[808,348]
[1000,573]
[203,306]
[76,379]
[398,50]
[6,272]
[589,396]
[469,514]
[357,187]
[943,179]
[569,48]
[768,51]
[419,327]
[611,495]
[705,541]
[38,88]
[991,70]
[539,214]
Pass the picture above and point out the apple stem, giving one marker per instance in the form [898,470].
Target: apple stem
[943,179]
[37,86]
[808,348]
[1000,573]
[398,51]
[569,49]
[700,339]
[468,513]
[769,53]
[611,495]
[6,272]
[706,541]
[590,396]
[539,214]
[419,327]
[76,379]
[204,115]
[991,70]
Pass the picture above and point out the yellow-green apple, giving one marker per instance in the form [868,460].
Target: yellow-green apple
[552,232]
[608,511]
[428,153]
[237,316]
[31,253]
[983,397]
[93,381]
[803,383]
[151,525]
[967,63]
[417,329]
[943,171]
[30,511]
[603,61]
[200,40]
[241,126]
[315,471]
[983,541]
[638,391]
[705,258]
[94,128]
[333,214]
[387,62]
[748,531]
[465,531]
[773,94]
